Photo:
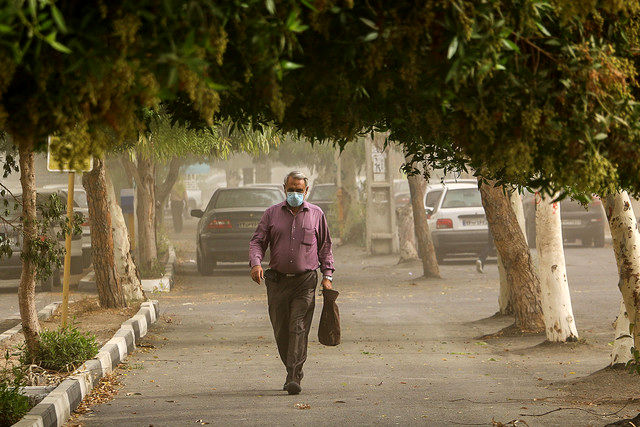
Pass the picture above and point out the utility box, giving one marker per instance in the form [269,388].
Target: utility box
[381,227]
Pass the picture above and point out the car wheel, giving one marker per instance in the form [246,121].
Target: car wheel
[598,240]
[204,268]
[586,241]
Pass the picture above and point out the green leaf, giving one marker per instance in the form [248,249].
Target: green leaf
[369,23]
[5,28]
[371,36]
[543,29]
[600,136]
[288,65]
[271,6]
[453,47]
[32,8]
[58,46]
[57,16]
[510,45]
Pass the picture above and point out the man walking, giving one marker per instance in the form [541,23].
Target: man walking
[298,235]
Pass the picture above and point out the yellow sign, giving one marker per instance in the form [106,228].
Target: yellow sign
[60,157]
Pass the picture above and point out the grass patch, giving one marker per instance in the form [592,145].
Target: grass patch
[13,405]
[61,350]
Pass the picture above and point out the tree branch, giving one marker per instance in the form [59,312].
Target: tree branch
[130,168]
[164,189]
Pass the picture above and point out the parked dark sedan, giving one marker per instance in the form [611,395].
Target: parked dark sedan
[582,223]
[228,222]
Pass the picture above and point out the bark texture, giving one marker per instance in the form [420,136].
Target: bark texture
[426,251]
[110,292]
[126,270]
[516,258]
[560,325]
[406,235]
[504,298]
[622,344]
[626,246]
[27,288]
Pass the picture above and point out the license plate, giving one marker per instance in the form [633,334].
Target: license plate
[474,222]
[248,224]
[571,222]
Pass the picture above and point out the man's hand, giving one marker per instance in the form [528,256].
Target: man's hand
[257,274]
[326,284]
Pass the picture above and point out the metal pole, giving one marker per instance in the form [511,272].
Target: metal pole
[67,254]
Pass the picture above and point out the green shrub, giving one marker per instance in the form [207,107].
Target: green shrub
[63,349]
[155,271]
[13,405]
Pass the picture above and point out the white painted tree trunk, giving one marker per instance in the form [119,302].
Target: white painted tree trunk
[504,298]
[622,344]
[126,269]
[559,322]
[626,246]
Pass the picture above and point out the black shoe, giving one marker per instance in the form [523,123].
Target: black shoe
[284,387]
[293,388]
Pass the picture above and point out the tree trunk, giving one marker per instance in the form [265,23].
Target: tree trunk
[504,299]
[27,288]
[514,252]
[126,270]
[406,235]
[622,344]
[145,191]
[626,246]
[110,292]
[163,190]
[426,251]
[559,322]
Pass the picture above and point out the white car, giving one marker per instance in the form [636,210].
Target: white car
[456,218]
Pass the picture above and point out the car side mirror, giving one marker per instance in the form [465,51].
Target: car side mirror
[429,210]
[197,213]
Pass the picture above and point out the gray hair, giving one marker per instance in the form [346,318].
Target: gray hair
[296,175]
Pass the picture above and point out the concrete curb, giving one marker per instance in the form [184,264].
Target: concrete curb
[57,406]
[164,283]
[43,314]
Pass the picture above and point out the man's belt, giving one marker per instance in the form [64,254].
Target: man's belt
[278,275]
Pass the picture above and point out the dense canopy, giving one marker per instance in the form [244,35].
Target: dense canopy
[531,92]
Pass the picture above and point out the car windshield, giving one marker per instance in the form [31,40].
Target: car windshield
[259,198]
[323,192]
[462,198]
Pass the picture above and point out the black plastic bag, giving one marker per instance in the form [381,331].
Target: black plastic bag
[329,329]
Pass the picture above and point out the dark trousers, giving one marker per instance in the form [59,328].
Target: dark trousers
[291,303]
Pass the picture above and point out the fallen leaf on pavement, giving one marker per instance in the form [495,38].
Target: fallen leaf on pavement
[302,406]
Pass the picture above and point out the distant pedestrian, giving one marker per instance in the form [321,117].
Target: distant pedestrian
[484,253]
[178,200]
[297,234]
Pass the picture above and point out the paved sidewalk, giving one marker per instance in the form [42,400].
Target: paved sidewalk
[410,353]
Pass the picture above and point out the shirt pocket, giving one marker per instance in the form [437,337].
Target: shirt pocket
[308,236]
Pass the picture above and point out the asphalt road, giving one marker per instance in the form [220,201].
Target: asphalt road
[411,352]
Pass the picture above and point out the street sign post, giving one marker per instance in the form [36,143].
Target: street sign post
[56,162]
